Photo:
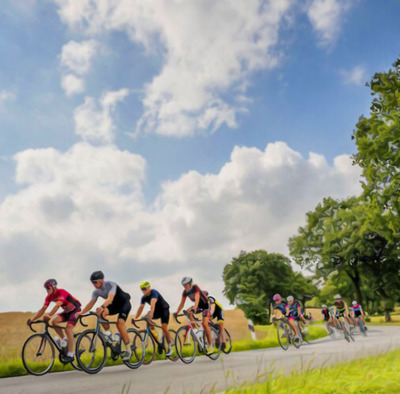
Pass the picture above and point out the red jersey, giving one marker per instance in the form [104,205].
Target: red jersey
[69,303]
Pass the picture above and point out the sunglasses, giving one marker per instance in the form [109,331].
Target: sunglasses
[144,288]
[96,281]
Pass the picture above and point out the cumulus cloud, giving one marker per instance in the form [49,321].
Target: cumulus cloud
[93,121]
[326,17]
[5,96]
[355,76]
[72,84]
[210,49]
[84,209]
[77,56]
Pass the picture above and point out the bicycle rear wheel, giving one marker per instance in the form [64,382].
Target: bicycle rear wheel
[215,343]
[91,351]
[228,342]
[174,356]
[283,336]
[186,345]
[38,354]
[137,347]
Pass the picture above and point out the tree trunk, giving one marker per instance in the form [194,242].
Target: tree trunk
[357,284]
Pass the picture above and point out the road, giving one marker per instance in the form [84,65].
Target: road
[204,374]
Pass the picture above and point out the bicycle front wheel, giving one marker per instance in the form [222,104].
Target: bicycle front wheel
[38,354]
[137,348]
[283,336]
[185,345]
[91,351]
[215,343]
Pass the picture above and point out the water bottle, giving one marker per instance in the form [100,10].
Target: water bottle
[199,335]
[117,337]
[57,340]
[154,332]
[109,336]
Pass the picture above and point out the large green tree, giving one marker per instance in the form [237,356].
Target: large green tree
[251,279]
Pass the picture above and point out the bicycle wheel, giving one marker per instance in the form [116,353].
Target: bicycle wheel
[362,327]
[283,336]
[215,343]
[91,352]
[149,348]
[228,342]
[174,356]
[185,345]
[38,354]
[137,347]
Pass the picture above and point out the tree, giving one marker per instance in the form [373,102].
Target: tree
[251,279]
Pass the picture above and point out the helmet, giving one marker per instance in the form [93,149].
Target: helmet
[144,284]
[50,283]
[290,298]
[337,297]
[354,303]
[324,306]
[276,297]
[96,275]
[186,280]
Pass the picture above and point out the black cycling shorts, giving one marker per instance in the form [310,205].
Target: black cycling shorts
[163,315]
[357,313]
[122,308]
[218,314]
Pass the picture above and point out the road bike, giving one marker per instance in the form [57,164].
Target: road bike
[285,334]
[361,326]
[151,339]
[92,344]
[301,328]
[226,346]
[190,339]
[344,326]
[39,350]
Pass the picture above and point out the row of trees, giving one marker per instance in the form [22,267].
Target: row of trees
[351,246]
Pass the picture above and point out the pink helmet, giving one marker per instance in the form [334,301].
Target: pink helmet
[276,297]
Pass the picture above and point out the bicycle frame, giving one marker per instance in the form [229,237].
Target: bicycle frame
[189,328]
[46,335]
[148,332]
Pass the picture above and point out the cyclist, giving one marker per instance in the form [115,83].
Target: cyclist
[116,301]
[358,311]
[341,308]
[334,316]
[71,307]
[281,308]
[159,309]
[217,312]
[295,311]
[326,314]
[201,304]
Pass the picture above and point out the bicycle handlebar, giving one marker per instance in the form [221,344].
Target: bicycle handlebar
[146,319]
[102,320]
[187,314]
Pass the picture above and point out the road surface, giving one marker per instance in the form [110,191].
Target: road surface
[203,374]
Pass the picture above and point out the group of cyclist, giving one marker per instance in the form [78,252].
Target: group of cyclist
[117,302]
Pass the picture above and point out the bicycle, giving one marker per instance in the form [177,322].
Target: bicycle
[226,346]
[304,334]
[285,334]
[344,326]
[38,351]
[361,325]
[150,339]
[92,344]
[189,339]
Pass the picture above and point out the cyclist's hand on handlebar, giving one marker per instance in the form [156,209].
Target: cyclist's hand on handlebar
[99,310]
[29,321]
[46,318]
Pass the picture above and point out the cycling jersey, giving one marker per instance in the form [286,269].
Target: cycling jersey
[191,293]
[325,313]
[161,304]
[340,305]
[218,310]
[357,310]
[282,307]
[293,308]
[69,303]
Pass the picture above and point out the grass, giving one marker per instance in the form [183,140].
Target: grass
[376,374]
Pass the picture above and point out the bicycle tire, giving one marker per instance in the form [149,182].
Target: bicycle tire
[44,341]
[228,344]
[186,354]
[216,343]
[282,332]
[149,348]
[174,356]
[136,344]
[361,325]
[80,351]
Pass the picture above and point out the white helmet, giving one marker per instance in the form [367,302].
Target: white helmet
[324,306]
[186,280]
[337,297]
[290,298]
[354,303]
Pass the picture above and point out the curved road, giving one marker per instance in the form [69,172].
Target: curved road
[204,374]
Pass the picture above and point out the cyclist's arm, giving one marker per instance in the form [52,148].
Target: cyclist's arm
[299,309]
[361,310]
[139,311]
[39,313]
[55,309]
[181,305]
[108,301]
[196,300]
[152,307]
[88,307]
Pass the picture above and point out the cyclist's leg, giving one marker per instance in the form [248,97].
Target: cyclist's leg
[71,321]
[293,325]
[58,319]
[164,325]
[206,319]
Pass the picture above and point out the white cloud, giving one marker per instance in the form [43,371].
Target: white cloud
[93,121]
[5,96]
[72,84]
[84,209]
[210,49]
[355,76]
[326,17]
[77,56]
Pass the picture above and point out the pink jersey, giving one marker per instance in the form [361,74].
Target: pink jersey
[69,303]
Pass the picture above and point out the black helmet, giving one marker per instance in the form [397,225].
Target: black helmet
[50,283]
[96,276]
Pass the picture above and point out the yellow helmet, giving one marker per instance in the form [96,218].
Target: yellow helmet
[144,284]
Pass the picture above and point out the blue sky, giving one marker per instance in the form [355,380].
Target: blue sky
[296,75]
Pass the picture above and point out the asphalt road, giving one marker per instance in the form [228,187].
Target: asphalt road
[203,374]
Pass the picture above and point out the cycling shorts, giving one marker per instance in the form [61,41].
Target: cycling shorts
[218,314]
[70,317]
[163,315]
[357,313]
[122,308]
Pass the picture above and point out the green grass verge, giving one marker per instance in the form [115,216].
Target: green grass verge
[376,374]
[14,367]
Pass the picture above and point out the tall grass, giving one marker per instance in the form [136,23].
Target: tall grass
[376,374]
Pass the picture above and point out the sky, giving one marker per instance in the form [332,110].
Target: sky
[156,139]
